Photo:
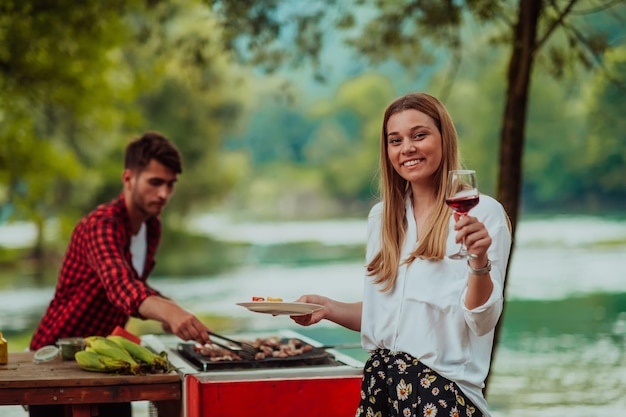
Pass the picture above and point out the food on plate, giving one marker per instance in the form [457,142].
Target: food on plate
[269,347]
[271,299]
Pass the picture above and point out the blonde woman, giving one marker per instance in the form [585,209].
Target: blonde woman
[427,320]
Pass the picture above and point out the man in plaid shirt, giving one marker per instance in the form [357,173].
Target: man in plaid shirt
[111,254]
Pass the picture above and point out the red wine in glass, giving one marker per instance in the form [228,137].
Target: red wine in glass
[463,205]
[462,195]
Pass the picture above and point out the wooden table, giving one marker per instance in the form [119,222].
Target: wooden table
[24,382]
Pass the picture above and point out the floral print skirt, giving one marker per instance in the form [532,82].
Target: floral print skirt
[397,384]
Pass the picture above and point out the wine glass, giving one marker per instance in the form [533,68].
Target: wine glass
[462,195]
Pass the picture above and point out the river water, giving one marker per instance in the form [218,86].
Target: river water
[563,340]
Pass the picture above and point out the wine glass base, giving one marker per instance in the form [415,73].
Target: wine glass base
[462,255]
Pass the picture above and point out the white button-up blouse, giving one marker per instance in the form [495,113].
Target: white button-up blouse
[424,313]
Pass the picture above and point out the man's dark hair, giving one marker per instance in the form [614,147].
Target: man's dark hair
[152,145]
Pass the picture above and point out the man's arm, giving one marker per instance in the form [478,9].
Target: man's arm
[174,318]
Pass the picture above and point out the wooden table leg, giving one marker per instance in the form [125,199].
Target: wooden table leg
[81,410]
[169,408]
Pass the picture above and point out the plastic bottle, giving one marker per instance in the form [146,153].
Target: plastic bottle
[4,351]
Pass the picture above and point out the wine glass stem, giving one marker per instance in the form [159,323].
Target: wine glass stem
[463,249]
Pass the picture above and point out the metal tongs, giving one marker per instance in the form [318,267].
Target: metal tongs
[245,350]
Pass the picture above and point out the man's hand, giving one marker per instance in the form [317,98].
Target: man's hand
[174,319]
[188,327]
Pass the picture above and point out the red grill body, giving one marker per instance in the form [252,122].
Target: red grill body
[330,389]
[305,397]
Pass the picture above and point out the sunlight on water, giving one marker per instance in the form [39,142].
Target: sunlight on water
[330,232]
[549,270]
[560,231]
[558,272]
[17,235]
[569,231]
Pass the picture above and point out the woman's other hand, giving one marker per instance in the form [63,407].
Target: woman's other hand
[316,316]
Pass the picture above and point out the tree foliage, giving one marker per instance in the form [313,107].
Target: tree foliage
[605,146]
[199,94]
[54,70]
[77,80]
[559,36]
[55,95]
[350,170]
[83,78]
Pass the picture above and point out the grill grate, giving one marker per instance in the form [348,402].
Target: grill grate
[314,357]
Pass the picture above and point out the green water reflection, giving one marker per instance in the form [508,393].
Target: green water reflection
[586,317]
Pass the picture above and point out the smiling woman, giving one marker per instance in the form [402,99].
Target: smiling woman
[430,316]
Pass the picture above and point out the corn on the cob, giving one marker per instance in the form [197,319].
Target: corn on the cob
[106,347]
[141,353]
[91,361]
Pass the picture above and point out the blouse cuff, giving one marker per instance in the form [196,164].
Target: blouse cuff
[484,318]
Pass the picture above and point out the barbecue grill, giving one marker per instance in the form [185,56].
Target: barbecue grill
[320,382]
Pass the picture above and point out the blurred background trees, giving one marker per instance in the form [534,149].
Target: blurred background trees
[536,38]
[78,80]
[276,107]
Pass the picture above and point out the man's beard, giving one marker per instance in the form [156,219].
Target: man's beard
[144,208]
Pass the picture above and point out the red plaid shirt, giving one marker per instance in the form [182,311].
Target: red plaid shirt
[98,288]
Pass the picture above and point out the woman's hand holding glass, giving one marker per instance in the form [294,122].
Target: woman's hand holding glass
[461,196]
[476,237]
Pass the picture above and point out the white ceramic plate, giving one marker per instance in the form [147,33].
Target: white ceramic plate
[280,308]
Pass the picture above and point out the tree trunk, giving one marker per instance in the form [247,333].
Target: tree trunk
[514,119]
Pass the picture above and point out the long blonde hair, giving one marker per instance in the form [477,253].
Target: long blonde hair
[394,188]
